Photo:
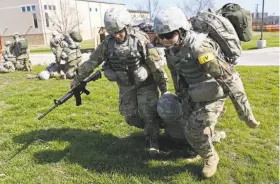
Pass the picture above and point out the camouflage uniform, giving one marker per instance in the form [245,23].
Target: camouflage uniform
[199,74]
[137,101]
[74,56]
[56,49]
[169,109]
[64,48]
[21,54]
[134,65]
[7,66]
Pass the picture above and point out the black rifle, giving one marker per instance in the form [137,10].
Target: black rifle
[76,92]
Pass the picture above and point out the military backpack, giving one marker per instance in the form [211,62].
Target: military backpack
[220,30]
[228,26]
[22,45]
[240,18]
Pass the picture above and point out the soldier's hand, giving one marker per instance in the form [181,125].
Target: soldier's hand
[64,44]
[73,84]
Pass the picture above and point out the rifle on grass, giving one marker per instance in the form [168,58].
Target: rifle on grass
[76,92]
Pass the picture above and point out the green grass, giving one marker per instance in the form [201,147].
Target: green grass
[272,40]
[93,144]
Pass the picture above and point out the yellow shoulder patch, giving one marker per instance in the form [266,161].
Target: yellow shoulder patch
[206,57]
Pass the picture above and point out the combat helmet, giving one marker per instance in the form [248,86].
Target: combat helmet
[116,19]
[169,107]
[44,75]
[170,19]
[7,43]
[16,35]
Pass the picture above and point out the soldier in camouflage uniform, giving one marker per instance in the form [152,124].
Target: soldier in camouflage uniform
[169,109]
[72,55]
[199,71]
[20,49]
[64,48]
[132,62]
[55,47]
[7,66]
[58,71]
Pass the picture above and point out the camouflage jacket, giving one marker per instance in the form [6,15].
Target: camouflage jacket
[198,59]
[148,54]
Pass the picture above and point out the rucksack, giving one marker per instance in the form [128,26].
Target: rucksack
[76,36]
[220,30]
[240,18]
[23,44]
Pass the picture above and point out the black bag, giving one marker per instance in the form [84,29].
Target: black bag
[240,18]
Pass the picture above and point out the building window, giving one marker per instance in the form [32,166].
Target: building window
[35,20]
[96,9]
[53,7]
[28,8]
[47,20]
[50,7]
[33,8]
[45,7]
[23,9]
[90,9]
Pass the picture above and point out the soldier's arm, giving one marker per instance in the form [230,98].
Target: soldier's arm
[95,59]
[208,56]
[53,47]
[12,48]
[71,43]
[152,59]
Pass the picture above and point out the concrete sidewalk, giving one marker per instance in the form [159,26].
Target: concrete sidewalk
[260,57]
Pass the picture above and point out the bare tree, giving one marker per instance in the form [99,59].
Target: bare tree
[151,6]
[141,10]
[65,20]
[193,7]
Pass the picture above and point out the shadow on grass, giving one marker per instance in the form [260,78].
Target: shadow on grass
[106,153]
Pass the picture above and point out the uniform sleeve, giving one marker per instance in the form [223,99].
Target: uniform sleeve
[152,59]
[71,43]
[208,55]
[53,47]
[95,59]
[12,48]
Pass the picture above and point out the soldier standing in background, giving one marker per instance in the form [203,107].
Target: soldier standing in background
[20,49]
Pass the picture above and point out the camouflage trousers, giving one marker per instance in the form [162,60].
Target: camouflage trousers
[139,107]
[7,67]
[233,86]
[71,67]
[198,123]
[23,64]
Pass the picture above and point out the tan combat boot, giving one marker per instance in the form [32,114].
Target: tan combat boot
[210,165]
[153,147]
